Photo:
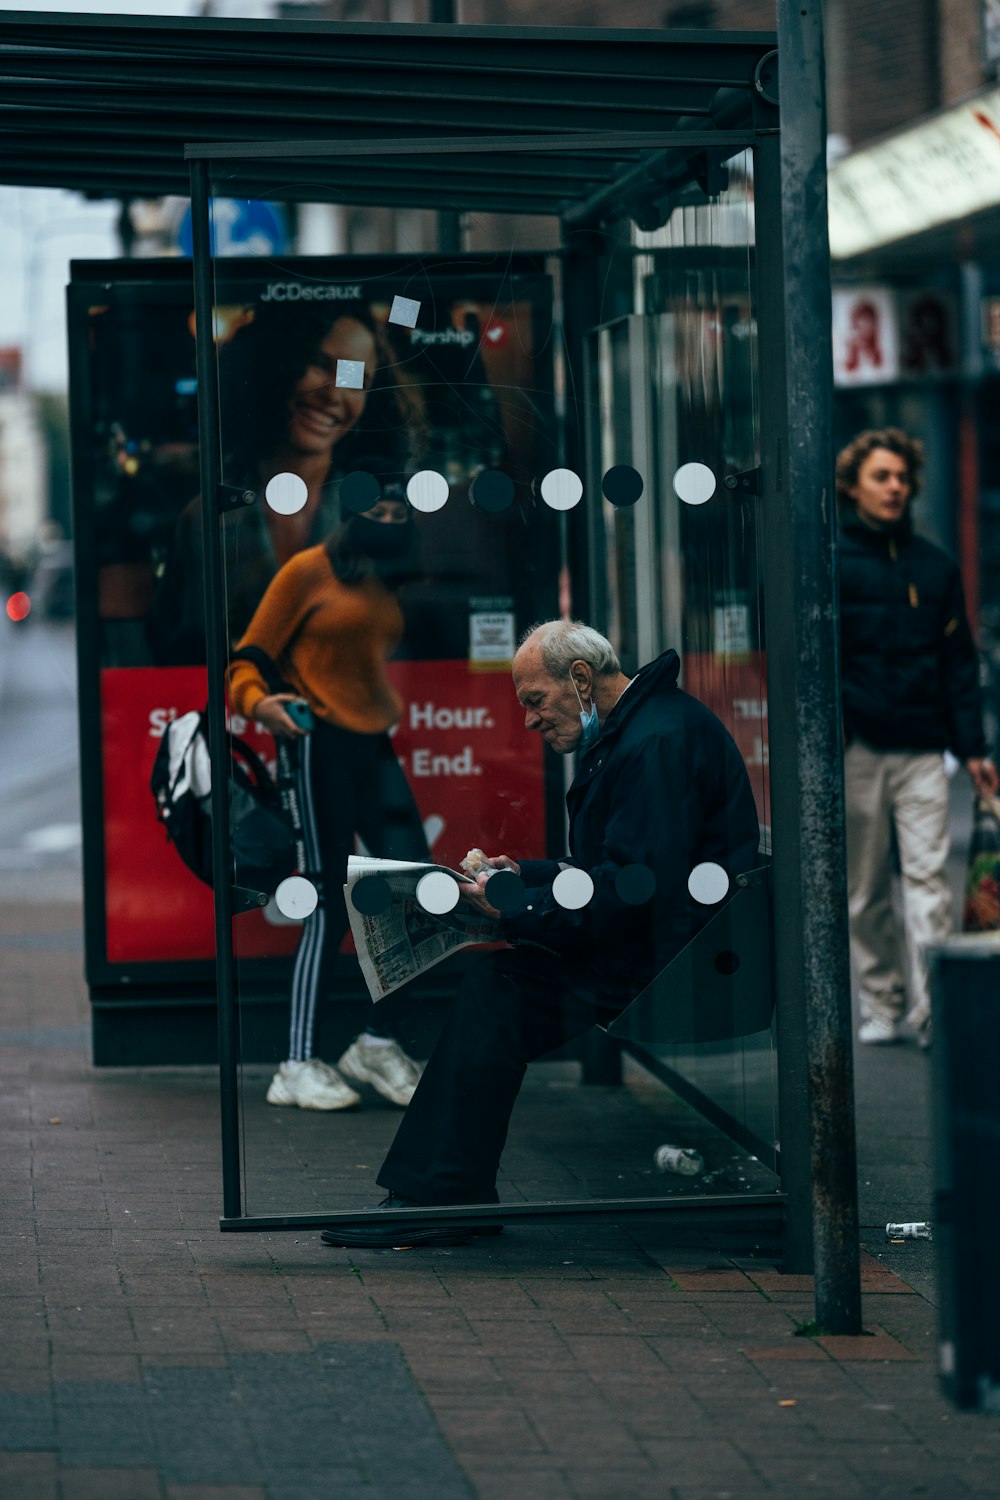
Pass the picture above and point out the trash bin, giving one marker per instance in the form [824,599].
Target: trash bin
[965,997]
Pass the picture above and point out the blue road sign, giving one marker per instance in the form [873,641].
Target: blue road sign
[240,226]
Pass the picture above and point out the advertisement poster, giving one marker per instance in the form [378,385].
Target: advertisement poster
[465,389]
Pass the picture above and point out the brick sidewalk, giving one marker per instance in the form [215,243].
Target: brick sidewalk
[147,1355]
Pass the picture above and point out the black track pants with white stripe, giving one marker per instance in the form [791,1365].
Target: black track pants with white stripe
[348,784]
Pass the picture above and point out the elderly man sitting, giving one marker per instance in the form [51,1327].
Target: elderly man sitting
[660,787]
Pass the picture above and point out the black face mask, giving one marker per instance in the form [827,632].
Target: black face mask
[381,540]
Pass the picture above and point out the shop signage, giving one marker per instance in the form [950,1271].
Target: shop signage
[883,334]
[944,169]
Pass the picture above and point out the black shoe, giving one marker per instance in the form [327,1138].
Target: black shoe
[401,1236]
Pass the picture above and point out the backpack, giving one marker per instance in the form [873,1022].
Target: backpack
[264,824]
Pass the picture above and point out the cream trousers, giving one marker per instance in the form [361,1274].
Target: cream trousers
[887,788]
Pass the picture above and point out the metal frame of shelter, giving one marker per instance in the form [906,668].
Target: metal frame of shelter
[109,106]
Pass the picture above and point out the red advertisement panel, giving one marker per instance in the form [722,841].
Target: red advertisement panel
[735,692]
[476,774]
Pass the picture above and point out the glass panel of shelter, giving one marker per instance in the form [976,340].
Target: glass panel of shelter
[426,478]
[700,588]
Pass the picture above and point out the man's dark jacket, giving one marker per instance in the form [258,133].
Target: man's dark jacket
[664,787]
[908,660]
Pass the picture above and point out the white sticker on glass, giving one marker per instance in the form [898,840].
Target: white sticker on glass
[296,897]
[427,490]
[286,493]
[572,889]
[437,892]
[694,483]
[405,311]
[708,883]
[350,374]
[561,489]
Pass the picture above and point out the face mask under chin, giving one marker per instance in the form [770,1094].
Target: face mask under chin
[588,718]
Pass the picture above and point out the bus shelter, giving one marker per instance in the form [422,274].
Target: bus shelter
[575,366]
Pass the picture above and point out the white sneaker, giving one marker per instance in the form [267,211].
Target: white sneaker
[384,1065]
[878,1030]
[311,1084]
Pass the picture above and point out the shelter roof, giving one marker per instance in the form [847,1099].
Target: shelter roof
[106,104]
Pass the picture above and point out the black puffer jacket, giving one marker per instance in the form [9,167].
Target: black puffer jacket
[909,664]
[665,787]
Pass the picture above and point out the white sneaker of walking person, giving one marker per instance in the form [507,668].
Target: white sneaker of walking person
[311,1084]
[878,1030]
[381,1062]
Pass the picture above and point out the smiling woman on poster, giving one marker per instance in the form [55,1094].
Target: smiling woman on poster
[282,413]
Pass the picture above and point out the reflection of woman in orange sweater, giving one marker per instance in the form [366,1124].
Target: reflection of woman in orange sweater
[329,621]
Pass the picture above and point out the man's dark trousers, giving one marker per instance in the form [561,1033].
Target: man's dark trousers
[512,1007]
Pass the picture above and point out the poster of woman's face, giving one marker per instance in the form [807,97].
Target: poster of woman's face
[315,386]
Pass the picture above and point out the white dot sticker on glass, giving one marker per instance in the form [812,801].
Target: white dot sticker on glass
[350,374]
[286,493]
[427,490]
[296,897]
[437,892]
[404,311]
[694,483]
[572,889]
[708,883]
[561,489]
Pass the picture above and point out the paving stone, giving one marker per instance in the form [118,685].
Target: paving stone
[611,1351]
[263,1341]
[699,1280]
[547,1484]
[485,1428]
[27,1420]
[99,1435]
[873,1344]
[24,1475]
[93,1369]
[218,1492]
[588,1484]
[109,1484]
[809,1471]
[26,1379]
[792,1349]
[167,1361]
[690,1461]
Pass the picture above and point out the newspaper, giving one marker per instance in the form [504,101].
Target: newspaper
[405,940]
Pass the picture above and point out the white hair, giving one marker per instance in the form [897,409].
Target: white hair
[562,642]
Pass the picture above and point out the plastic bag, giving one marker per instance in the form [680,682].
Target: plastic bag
[981,911]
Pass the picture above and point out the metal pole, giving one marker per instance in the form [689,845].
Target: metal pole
[449,220]
[218,650]
[816,718]
[777,543]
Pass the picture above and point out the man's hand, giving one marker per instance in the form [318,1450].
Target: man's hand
[984,776]
[271,713]
[475,895]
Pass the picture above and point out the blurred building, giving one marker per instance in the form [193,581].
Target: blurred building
[914,112]
[23,477]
